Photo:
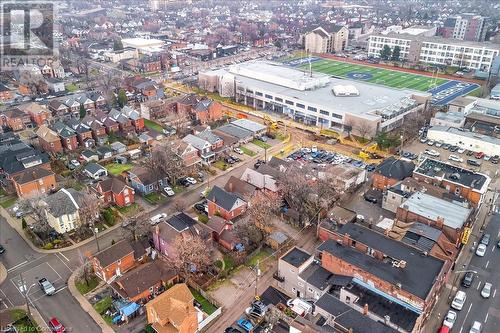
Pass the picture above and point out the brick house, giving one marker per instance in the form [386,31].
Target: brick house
[97,128]
[39,114]
[173,311]
[49,140]
[5,93]
[391,171]
[159,109]
[15,119]
[222,232]
[117,259]
[462,182]
[135,117]
[187,103]
[34,181]
[395,271]
[69,138]
[227,205]
[207,111]
[98,99]
[216,142]
[124,122]
[145,282]
[115,191]
[186,152]
[83,133]
[58,108]
[73,105]
[86,102]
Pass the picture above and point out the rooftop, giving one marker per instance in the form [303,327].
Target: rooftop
[249,125]
[296,257]
[441,170]
[235,131]
[113,253]
[441,40]
[432,208]
[417,277]
[395,168]
[466,133]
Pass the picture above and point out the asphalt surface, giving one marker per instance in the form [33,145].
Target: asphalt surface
[477,308]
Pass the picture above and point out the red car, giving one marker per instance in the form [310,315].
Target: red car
[56,326]
[479,155]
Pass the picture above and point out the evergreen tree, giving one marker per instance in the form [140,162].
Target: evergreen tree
[122,98]
[117,45]
[83,112]
[386,52]
[396,53]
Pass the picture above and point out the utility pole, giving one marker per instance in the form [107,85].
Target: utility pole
[25,293]
[257,275]
[95,231]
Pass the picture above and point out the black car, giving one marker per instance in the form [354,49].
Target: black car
[370,167]
[453,148]
[495,159]
[258,164]
[370,198]
[231,330]
[468,279]
[485,239]
[200,208]
[183,182]
[2,249]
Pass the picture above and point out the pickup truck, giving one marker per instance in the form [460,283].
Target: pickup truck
[46,286]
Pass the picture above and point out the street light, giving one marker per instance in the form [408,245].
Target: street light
[25,291]
[95,231]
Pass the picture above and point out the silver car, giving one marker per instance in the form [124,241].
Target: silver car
[486,291]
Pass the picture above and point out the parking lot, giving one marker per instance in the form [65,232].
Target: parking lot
[31,277]
[322,157]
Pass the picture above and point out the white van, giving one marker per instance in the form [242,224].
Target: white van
[158,218]
[459,300]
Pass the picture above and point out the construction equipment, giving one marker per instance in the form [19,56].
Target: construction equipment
[331,134]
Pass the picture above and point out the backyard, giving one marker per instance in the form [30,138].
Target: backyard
[207,307]
[258,257]
[102,306]
[117,168]
[221,165]
[153,126]
[82,286]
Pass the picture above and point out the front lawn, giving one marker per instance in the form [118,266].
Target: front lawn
[153,126]
[82,286]
[207,307]
[261,144]
[154,198]
[247,151]
[129,210]
[221,165]
[103,305]
[117,168]
[71,87]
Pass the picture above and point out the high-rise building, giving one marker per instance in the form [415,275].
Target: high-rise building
[320,40]
[468,27]
[162,4]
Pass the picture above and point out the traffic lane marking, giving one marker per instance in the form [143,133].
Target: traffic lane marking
[43,295]
[465,318]
[486,318]
[71,270]
[17,266]
[60,253]
[5,297]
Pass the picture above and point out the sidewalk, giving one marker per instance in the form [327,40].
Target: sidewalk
[84,303]
[3,273]
[17,226]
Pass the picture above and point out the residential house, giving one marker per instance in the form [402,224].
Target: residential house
[68,136]
[15,157]
[104,152]
[135,117]
[391,171]
[173,311]
[255,128]
[49,140]
[87,103]
[145,282]
[117,259]
[207,111]
[243,136]
[118,147]
[241,188]
[204,147]
[217,143]
[61,210]
[83,133]
[34,181]
[159,109]
[98,99]
[55,85]
[58,108]
[73,107]
[94,171]
[290,266]
[179,225]
[114,191]
[186,104]
[15,119]
[124,123]
[5,93]
[225,204]
[386,267]
[98,130]
[186,152]
[260,180]
[39,114]
[222,232]
[141,180]
[109,123]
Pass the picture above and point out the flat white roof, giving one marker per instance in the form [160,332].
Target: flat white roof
[142,42]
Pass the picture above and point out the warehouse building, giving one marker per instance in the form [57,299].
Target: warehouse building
[318,100]
[466,139]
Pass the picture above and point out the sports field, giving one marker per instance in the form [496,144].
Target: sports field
[380,76]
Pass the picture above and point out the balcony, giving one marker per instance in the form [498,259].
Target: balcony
[278,278]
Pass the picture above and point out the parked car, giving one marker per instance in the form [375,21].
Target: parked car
[423,140]
[495,159]
[479,155]
[46,286]
[468,279]
[455,158]
[2,249]
[460,150]
[370,198]
[245,324]
[157,218]
[476,327]
[55,326]
[481,250]
[459,300]
[75,163]
[469,152]
[431,152]
[201,208]
[439,143]
[453,148]
[238,150]
[450,318]
[473,162]
[446,146]
[487,157]
[231,330]
[168,191]
[486,291]
[258,164]
[485,239]
[183,182]
[191,180]
[430,142]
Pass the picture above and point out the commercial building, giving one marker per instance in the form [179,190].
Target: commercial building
[466,139]
[469,27]
[437,50]
[319,100]
[143,45]
[320,40]
[465,183]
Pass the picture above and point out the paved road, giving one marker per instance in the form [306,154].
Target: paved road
[476,308]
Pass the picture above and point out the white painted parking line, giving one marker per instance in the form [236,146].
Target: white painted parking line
[64,262]
[486,318]
[5,297]
[54,271]
[487,263]
[65,258]
[494,293]
[492,248]
[17,266]
[478,285]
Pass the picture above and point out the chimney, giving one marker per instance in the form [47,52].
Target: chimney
[346,241]
[230,186]
[439,223]
[365,309]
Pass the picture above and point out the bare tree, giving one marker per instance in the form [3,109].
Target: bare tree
[262,208]
[36,207]
[136,226]
[88,212]
[191,256]
[180,205]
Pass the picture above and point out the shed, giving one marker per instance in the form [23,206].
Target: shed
[276,239]
[118,147]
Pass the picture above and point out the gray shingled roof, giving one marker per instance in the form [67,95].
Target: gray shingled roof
[222,198]
[63,202]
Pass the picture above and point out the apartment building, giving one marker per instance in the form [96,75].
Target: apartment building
[320,40]
[469,27]
[437,50]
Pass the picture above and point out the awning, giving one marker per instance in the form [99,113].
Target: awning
[387,296]
[129,309]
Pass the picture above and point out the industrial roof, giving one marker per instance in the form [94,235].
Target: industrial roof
[296,257]
[465,133]
[249,125]
[453,214]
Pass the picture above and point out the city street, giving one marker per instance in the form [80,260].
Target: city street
[477,308]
